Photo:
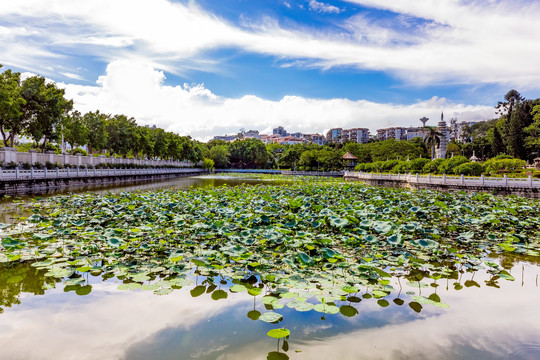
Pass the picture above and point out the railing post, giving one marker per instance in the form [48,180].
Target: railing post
[417,177]
[16,173]
[1,172]
[57,172]
[67,172]
[31,172]
[530,181]
[45,172]
[429,178]
[444,178]
[483,180]
[505,180]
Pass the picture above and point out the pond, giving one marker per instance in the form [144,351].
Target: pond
[306,269]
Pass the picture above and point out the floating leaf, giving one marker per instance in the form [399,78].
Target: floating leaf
[270,317]
[278,333]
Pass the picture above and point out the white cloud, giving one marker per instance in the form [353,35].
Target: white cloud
[323,8]
[459,42]
[136,88]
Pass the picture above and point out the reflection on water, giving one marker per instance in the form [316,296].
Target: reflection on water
[205,320]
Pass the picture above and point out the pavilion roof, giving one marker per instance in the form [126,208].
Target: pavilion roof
[349,156]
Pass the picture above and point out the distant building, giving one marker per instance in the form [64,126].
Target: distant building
[456,130]
[315,139]
[357,135]
[334,135]
[413,132]
[397,133]
[280,131]
[251,134]
[228,138]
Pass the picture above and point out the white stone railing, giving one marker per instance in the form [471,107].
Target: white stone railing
[8,155]
[16,174]
[459,180]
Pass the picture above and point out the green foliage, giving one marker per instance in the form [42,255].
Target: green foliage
[208,164]
[504,165]
[220,155]
[248,153]
[470,169]
[97,136]
[75,130]
[432,167]
[79,151]
[447,166]
[43,110]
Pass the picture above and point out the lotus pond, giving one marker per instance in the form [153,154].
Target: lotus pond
[301,269]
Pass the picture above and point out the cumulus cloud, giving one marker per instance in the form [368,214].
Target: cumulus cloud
[137,89]
[323,8]
[447,41]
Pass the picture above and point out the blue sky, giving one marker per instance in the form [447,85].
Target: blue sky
[214,66]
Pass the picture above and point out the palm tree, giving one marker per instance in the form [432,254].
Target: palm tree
[432,138]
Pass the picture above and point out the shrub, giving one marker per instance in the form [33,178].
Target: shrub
[448,165]
[502,165]
[416,165]
[26,165]
[79,151]
[51,166]
[38,165]
[401,168]
[11,165]
[432,166]
[471,169]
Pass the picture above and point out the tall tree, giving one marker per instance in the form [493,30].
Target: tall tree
[11,102]
[432,139]
[44,108]
[497,144]
[120,130]
[74,129]
[96,123]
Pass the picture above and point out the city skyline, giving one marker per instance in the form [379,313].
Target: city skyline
[205,68]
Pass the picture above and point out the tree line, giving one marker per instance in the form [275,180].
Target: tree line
[38,109]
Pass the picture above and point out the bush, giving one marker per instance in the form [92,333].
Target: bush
[470,169]
[448,165]
[504,165]
[38,165]
[11,165]
[432,167]
[26,165]
[401,168]
[51,166]
[418,164]
[79,151]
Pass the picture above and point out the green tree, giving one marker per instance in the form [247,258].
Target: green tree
[497,144]
[11,102]
[220,155]
[532,132]
[96,123]
[75,130]
[432,139]
[120,134]
[248,153]
[44,108]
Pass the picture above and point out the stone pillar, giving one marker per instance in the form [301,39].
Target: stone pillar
[8,155]
[102,159]
[79,159]
[33,156]
[51,156]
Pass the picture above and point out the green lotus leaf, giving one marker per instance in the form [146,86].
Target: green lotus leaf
[270,317]
[278,333]
[348,311]
[129,286]
[237,288]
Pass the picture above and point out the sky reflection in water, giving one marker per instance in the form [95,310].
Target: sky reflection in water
[481,323]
